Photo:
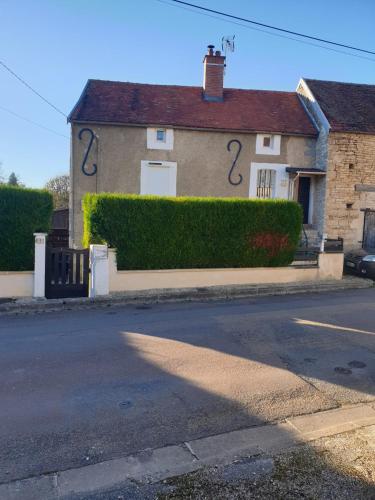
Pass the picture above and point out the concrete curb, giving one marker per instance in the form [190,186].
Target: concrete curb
[154,465]
[184,295]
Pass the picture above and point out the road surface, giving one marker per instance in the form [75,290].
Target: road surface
[83,386]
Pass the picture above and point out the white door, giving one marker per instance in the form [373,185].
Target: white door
[158,178]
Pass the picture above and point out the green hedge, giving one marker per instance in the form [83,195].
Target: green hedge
[151,232]
[22,213]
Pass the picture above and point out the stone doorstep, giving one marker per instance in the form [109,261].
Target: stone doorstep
[158,464]
[185,294]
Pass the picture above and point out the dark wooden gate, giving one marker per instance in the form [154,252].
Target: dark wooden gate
[369,230]
[67,273]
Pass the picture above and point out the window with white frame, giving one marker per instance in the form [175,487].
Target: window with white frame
[267,144]
[158,178]
[266,183]
[160,138]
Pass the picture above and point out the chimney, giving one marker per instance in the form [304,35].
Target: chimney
[213,77]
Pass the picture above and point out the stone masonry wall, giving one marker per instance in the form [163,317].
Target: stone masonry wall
[351,161]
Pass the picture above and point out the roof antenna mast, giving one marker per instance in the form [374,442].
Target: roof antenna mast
[227,44]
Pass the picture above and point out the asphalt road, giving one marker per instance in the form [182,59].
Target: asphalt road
[84,386]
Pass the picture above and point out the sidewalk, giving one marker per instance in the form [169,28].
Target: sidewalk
[232,449]
[9,306]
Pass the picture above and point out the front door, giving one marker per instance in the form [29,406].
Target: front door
[304,197]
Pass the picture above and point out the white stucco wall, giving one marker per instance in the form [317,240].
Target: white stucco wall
[16,283]
[330,267]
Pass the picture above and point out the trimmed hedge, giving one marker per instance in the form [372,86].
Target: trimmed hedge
[151,232]
[22,213]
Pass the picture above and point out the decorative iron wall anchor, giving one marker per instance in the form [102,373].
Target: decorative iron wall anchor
[239,145]
[92,137]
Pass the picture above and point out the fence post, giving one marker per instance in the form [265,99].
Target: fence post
[322,242]
[99,276]
[40,265]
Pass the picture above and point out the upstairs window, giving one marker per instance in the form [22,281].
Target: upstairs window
[160,134]
[160,138]
[266,183]
[267,144]
[267,141]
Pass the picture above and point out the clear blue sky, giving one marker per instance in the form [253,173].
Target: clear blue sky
[56,45]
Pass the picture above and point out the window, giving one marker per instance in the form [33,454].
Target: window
[267,141]
[267,144]
[269,180]
[266,183]
[160,135]
[160,138]
[158,178]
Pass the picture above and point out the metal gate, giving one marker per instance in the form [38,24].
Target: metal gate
[368,242]
[67,273]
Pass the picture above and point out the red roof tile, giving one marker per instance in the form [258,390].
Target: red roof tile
[348,107]
[177,106]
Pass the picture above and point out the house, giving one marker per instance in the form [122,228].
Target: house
[344,114]
[193,141]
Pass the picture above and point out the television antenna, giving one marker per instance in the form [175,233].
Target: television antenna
[227,44]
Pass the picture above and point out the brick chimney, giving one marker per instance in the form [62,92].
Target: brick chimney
[213,77]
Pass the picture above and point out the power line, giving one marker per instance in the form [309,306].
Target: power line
[231,16]
[32,122]
[32,89]
[305,42]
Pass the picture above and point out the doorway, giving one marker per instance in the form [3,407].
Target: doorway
[368,242]
[304,197]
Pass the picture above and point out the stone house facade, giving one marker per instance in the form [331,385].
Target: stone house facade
[189,141]
[345,116]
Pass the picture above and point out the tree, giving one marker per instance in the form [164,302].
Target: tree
[59,187]
[13,180]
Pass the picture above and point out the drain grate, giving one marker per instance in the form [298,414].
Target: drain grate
[125,404]
[342,370]
[357,364]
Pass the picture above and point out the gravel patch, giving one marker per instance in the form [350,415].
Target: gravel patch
[341,467]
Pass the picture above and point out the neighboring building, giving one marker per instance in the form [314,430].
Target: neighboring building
[345,116]
[193,141]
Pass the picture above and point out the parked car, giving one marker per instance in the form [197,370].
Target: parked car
[361,262]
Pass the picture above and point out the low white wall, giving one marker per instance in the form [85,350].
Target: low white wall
[330,267]
[16,283]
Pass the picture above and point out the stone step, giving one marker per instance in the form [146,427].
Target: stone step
[313,237]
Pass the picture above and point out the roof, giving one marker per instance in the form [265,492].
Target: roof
[348,107]
[178,106]
[305,170]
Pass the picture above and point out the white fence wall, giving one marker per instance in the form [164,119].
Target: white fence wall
[105,278]
[330,267]
[16,283]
